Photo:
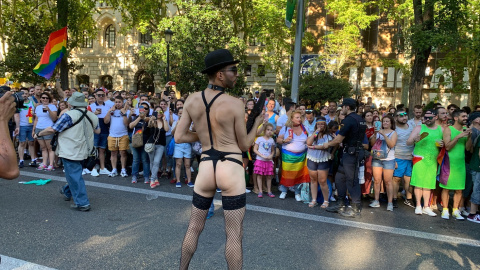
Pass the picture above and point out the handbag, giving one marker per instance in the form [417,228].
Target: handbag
[150,146]
[137,138]
[380,149]
[91,160]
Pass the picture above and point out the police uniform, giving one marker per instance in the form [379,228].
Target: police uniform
[353,128]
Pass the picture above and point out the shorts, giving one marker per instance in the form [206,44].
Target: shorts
[182,150]
[404,168]
[475,198]
[318,166]
[43,138]
[118,143]
[385,164]
[100,140]
[25,134]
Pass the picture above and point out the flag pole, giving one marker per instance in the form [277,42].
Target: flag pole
[298,51]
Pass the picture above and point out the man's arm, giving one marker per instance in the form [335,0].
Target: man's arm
[244,140]
[447,138]
[60,91]
[182,129]
[414,136]
[8,157]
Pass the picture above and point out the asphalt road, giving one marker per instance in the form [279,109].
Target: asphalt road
[133,227]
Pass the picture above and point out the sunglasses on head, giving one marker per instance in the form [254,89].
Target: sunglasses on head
[308,111]
[402,114]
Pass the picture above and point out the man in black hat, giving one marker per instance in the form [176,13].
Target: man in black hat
[220,126]
[351,134]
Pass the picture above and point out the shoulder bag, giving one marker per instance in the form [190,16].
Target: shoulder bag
[54,141]
[137,138]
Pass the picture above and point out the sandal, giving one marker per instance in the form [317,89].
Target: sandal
[312,204]
[324,204]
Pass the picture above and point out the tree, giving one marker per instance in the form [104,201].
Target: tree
[323,87]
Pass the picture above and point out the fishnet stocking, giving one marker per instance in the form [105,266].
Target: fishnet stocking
[195,228]
[234,233]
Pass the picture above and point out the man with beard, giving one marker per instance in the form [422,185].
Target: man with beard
[455,138]
[428,139]
[417,116]
[442,116]
[403,157]
[332,110]
[219,121]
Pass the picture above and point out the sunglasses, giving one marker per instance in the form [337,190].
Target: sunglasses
[402,114]
[100,95]
[428,117]
[45,98]
[233,69]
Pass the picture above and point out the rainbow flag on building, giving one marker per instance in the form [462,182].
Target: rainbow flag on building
[52,54]
[294,168]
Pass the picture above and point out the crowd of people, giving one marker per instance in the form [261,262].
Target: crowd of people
[420,159]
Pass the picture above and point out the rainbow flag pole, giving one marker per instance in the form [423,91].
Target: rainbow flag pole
[52,54]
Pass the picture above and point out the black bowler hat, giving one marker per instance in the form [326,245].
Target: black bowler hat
[348,102]
[218,59]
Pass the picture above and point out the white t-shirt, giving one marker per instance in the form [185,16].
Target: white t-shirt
[391,151]
[24,111]
[117,127]
[104,107]
[264,147]
[282,120]
[297,144]
[44,119]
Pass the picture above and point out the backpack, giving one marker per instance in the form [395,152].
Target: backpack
[305,192]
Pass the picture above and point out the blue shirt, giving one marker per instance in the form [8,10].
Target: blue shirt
[64,122]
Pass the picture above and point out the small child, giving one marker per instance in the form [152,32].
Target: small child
[263,166]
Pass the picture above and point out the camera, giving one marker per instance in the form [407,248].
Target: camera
[17,96]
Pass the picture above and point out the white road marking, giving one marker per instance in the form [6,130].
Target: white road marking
[9,263]
[273,211]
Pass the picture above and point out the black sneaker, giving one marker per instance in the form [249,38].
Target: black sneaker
[65,197]
[83,208]
[33,163]
[395,203]
[20,164]
[408,202]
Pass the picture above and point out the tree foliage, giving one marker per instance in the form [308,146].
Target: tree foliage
[323,87]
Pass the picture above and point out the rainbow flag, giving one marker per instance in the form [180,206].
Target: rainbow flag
[294,168]
[52,54]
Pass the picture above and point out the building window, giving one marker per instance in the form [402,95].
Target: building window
[107,82]
[146,38]
[87,42]
[248,70]
[261,70]
[110,36]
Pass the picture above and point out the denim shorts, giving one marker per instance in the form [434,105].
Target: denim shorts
[182,150]
[25,134]
[385,164]
[318,166]
[100,140]
[475,198]
[404,168]
[43,138]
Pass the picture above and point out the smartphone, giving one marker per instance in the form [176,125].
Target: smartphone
[141,109]
[155,114]
[378,125]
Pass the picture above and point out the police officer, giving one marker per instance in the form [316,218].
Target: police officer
[352,135]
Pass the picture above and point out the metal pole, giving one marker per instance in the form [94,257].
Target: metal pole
[297,52]
[168,61]
[394,85]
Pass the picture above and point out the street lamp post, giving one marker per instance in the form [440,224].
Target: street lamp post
[358,86]
[168,39]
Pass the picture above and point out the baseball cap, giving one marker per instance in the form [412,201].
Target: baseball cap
[348,102]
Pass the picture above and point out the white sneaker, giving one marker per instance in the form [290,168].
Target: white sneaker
[445,214]
[86,171]
[428,211]
[247,190]
[457,215]
[123,173]
[113,173]
[104,171]
[298,197]
[94,172]
[282,195]
[418,210]
[463,211]
[140,173]
[191,169]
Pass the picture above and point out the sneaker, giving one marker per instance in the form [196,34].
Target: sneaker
[390,207]
[140,173]
[463,211]
[123,173]
[458,215]
[298,198]
[156,183]
[418,210]
[153,184]
[429,211]
[190,184]
[191,169]
[271,195]
[332,199]
[20,164]
[50,168]
[134,179]
[104,171]
[33,163]
[178,185]
[94,173]
[434,206]
[146,181]
[113,173]
[474,218]
[395,203]
[445,214]
[409,202]
[219,190]
[247,190]
[173,181]
[41,167]
[375,204]
[282,195]
[260,195]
